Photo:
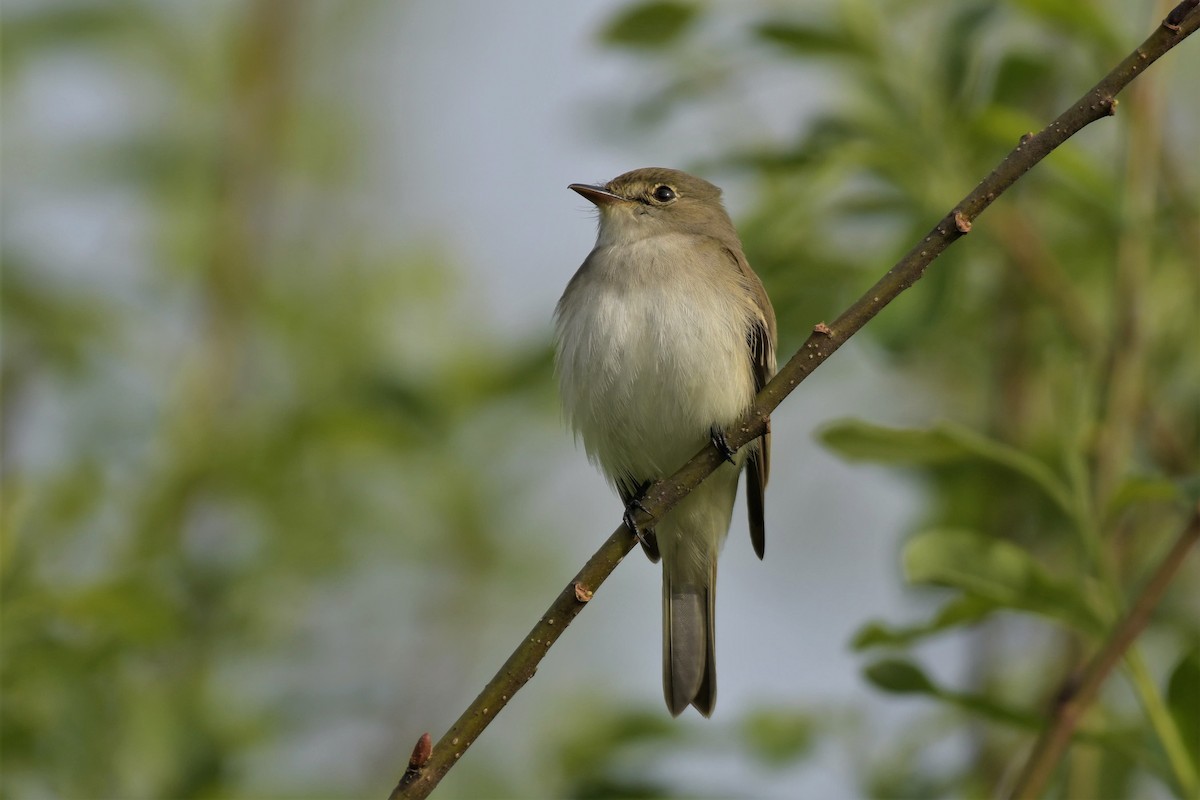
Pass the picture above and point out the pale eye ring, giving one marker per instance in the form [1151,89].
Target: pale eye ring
[664,193]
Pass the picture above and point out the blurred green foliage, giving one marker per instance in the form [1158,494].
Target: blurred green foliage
[262,411]
[649,24]
[256,402]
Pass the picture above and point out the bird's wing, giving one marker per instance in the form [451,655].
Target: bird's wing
[760,339]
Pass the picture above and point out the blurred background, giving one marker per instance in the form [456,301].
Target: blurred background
[284,476]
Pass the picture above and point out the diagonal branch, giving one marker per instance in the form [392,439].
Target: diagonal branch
[420,779]
[1079,693]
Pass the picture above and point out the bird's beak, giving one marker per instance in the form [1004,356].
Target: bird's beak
[597,194]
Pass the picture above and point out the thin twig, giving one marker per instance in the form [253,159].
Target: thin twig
[517,670]
[1098,103]
[1081,690]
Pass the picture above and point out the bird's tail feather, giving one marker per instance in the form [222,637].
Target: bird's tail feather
[689,663]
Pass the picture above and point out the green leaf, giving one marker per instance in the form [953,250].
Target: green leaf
[899,676]
[807,40]
[944,443]
[1183,697]
[1139,490]
[961,611]
[856,440]
[1003,455]
[998,572]
[648,25]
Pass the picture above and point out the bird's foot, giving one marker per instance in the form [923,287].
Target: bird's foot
[717,435]
[636,505]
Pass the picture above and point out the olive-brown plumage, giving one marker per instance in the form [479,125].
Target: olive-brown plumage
[664,336]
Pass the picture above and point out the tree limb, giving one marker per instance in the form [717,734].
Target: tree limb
[1099,102]
[1080,691]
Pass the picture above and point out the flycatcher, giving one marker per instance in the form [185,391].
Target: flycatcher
[664,337]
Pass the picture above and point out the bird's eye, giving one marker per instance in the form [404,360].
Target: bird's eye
[664,194]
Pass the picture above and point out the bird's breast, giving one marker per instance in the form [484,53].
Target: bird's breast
[651,355]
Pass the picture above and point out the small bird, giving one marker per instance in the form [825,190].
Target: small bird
[664,337]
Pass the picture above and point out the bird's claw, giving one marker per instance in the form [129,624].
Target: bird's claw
[718,440]
[634,528]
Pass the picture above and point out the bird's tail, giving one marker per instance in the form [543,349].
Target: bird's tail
[689,656]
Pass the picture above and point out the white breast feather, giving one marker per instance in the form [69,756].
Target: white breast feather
[647,365]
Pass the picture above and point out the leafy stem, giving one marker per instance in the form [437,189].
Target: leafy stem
[1163,723]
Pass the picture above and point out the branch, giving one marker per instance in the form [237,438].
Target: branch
[1099,102]
[1081,690]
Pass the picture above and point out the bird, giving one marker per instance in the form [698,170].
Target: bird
[663,337]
